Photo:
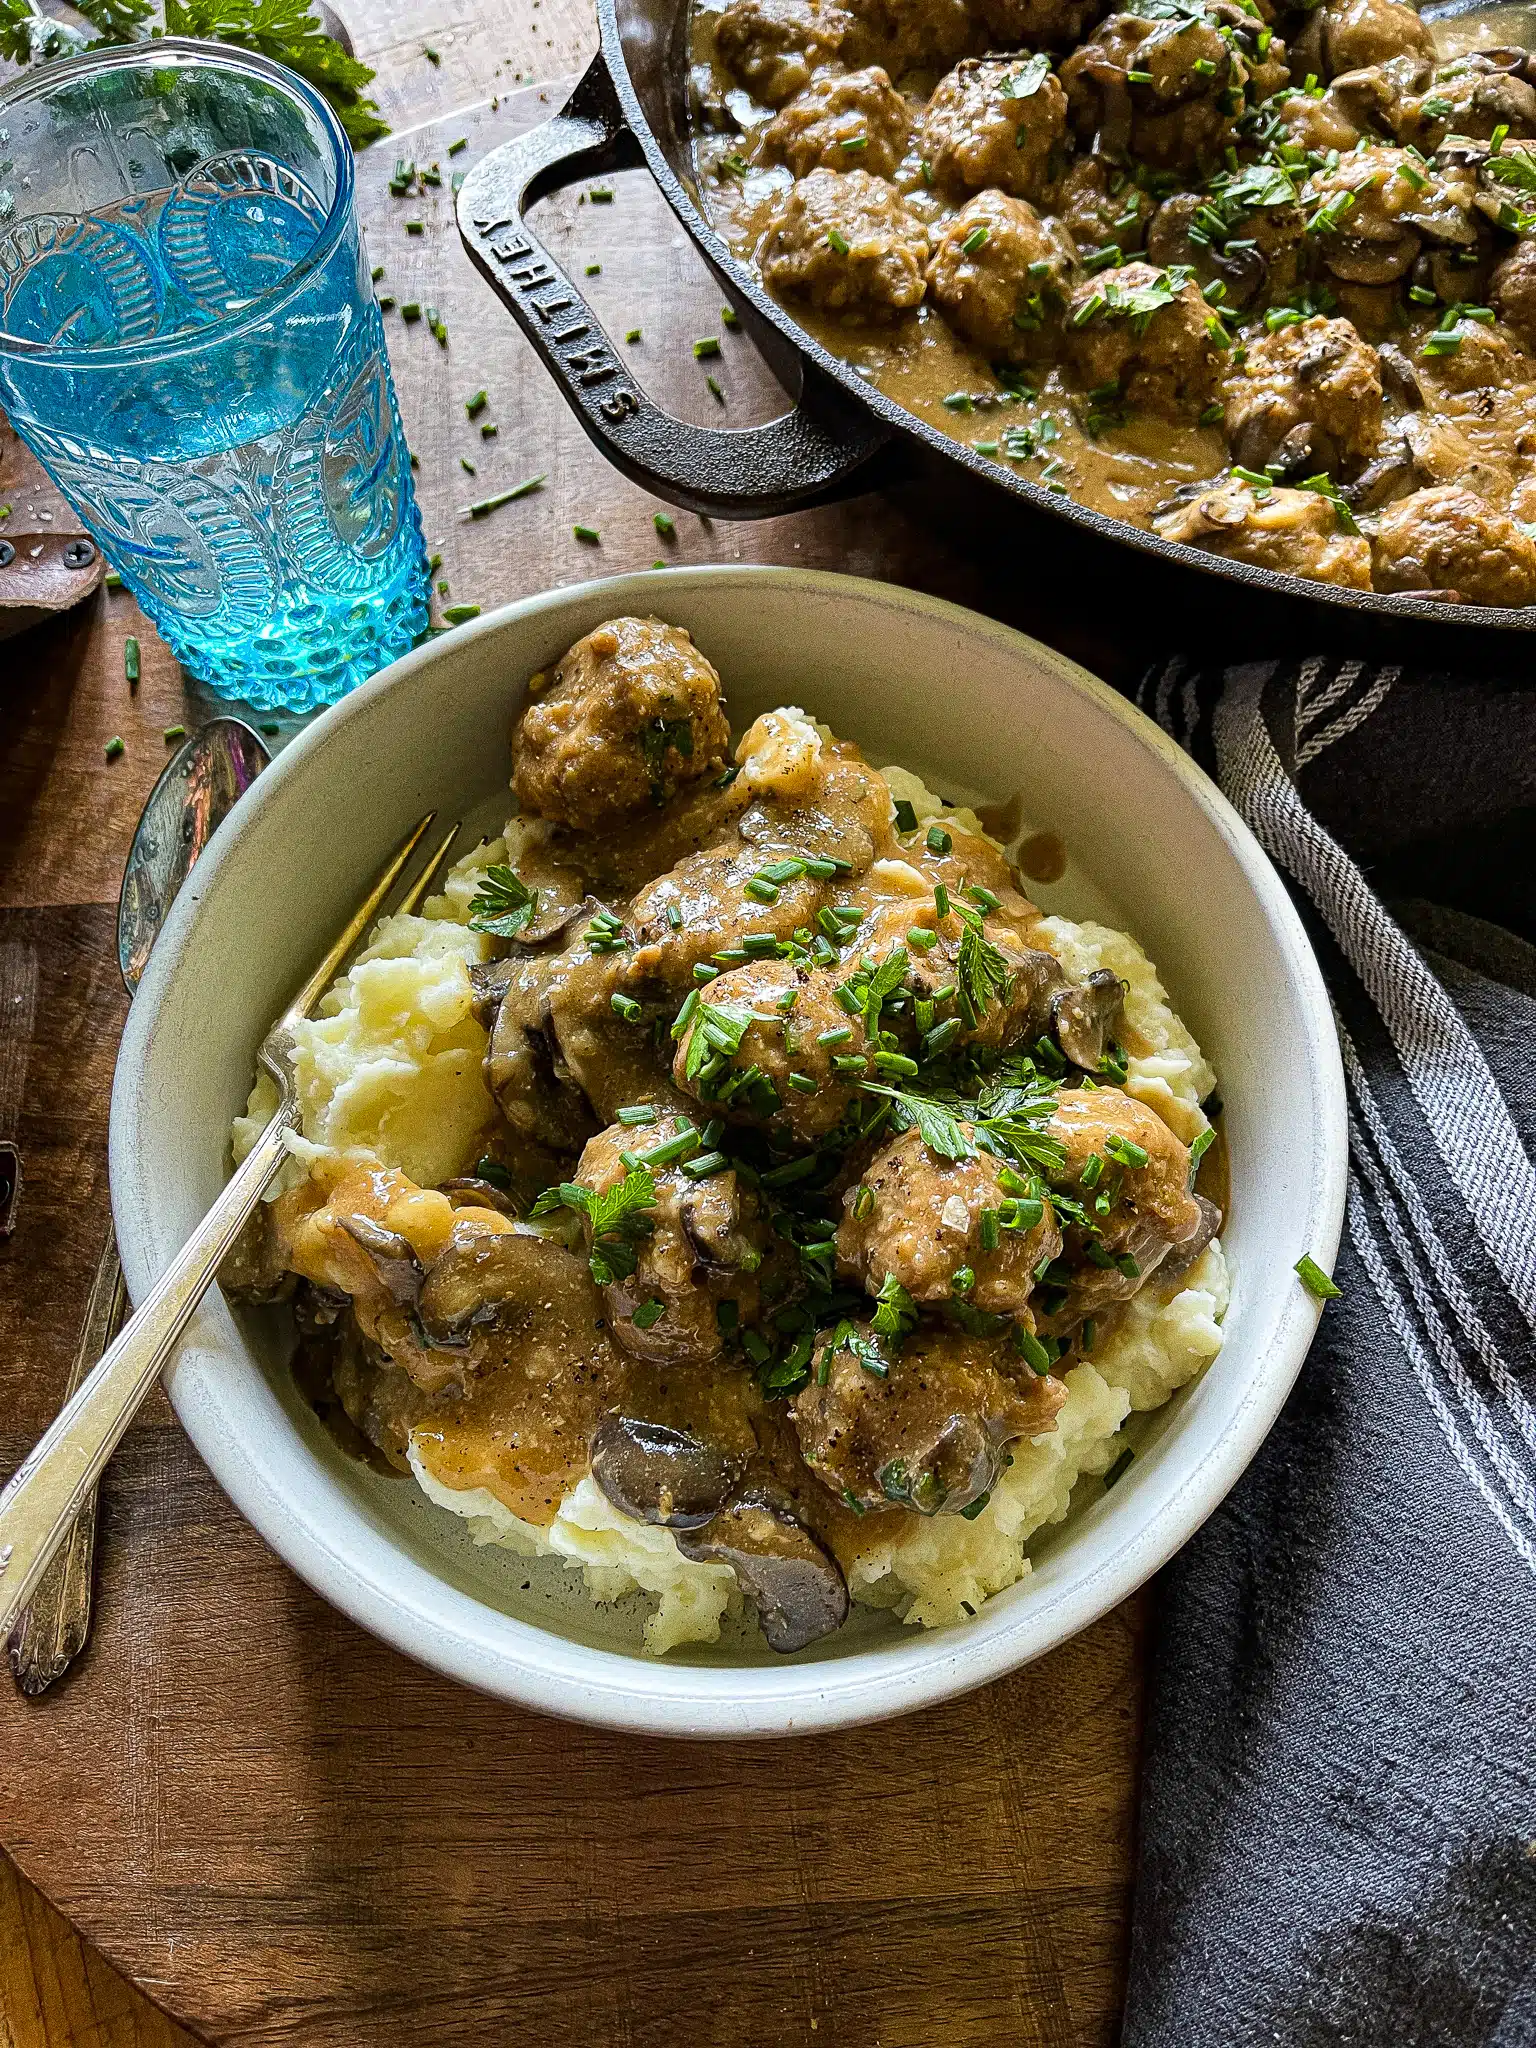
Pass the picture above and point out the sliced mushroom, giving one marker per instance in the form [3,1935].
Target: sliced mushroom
[393,1258]
[488,983]
[477,1275]
[664,1476]
[788,1574]
[469,1192]
[1398,377]
[1183,1256]
[526,1071]
[1083,1018]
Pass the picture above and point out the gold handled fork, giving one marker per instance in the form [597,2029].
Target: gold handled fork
[44,1495]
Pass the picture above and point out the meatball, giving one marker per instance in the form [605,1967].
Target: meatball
[849,244]
[774,47]
[764,1044]
[922,1422]
[907,35]
[1098,205]
[917,1219]
[1371,213]
[629,716]
[1473,96]
[853,120]
[1297,533]
[1307,398]
[1347,35]
[1512,291]
[1168,90]
[1041,24]
[1131,1175]
[1255,259]
[1484,360]
[1452,543]
[672,1264]
[1135,328]
[998,276]
[995,121]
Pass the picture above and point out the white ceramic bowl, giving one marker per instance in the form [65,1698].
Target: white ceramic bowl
[979,710]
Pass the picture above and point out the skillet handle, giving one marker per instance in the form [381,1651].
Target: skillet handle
[803,458]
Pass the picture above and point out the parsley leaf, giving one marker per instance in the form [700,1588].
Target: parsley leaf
[849,1337]
[1026,82]
[980,971]
[617,1219]
[503,904]
[895,1310]
[887,978]
[287,32]
[942,1132]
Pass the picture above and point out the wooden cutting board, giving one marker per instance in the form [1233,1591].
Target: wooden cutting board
[283,1831]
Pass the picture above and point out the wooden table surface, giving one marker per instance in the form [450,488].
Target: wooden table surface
[278,1828]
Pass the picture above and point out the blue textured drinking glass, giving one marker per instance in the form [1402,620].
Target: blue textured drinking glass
[190,346]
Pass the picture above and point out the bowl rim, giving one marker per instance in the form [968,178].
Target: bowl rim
[421,1614]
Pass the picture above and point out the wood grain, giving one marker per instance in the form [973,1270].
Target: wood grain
[280,1828]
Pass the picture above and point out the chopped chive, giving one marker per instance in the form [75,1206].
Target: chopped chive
[641,1113]
[1125,1150]
[432,56]
[941,1037]
[1116,1471]
[633,334]
[921,939]
[1315,1280]
[839,1035]
[849,1063]
[991,1230]
[489,430]
[175,732]
[594,270]
[837,241]
[707,345]
[589,534]
[713,386]
[973,241]
[941,899]
[1031,1350]
[377,272]
[467,466]
[626,1007]
[131,661]
[702,971]
[760,891]
[475,404]
[385,302]
[484,506]
[460,614]
[411,310]
[906,817]
[782,871]
[938,841]
[729,316]
[704,1165]
[804,1083]
[415,227]
[664,524]
[114,748]
[455,147]
[672,1149]
[600,195]
[112,580]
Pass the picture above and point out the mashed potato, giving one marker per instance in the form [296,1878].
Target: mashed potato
[390,1068]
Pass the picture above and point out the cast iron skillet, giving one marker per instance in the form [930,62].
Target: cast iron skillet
[842,434]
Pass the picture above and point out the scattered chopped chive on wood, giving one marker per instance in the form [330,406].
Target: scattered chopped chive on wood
[415,227]
[434,563]
[712,384]
[1315,1280]
[175,732]
[589,534]
[271,730]
[455,147]
[594,270]
[489,430]
[467,466]
[432,56]
[730,316]
[706,345]
[385,303]
[112,580]
[377,272]
[114,748]
[475,403]
[664,524]
[659,565]
[459,614]
[131,660]
[600,195]
[488,505]
[410,310]
[633,334]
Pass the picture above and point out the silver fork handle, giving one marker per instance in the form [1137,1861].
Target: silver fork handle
[44,1496]
[53,1628]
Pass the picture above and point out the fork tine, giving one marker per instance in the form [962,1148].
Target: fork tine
[412,899]
[356,925]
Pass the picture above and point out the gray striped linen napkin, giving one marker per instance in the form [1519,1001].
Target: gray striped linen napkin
[1338,1821]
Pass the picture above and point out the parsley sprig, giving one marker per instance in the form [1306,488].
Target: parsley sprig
[503,904]
[619,1219]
